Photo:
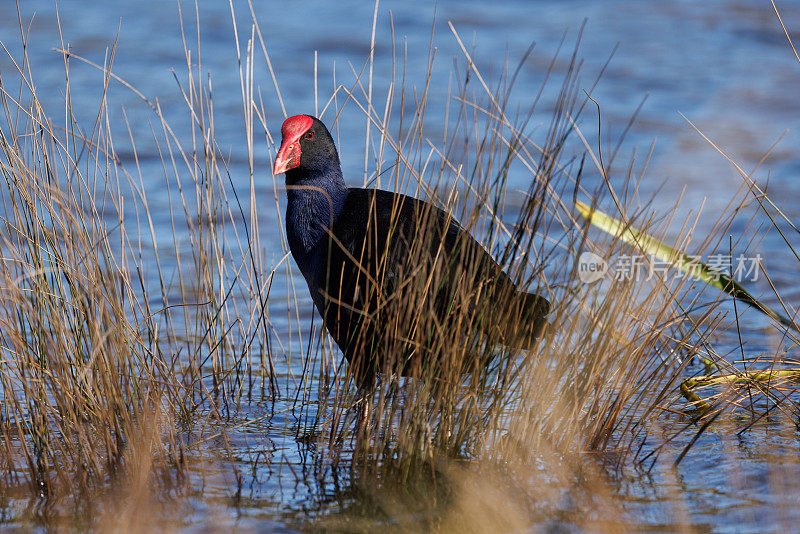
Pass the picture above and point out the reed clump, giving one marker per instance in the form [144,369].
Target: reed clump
[117,354]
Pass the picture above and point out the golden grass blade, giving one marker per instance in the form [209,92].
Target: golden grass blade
[702,406]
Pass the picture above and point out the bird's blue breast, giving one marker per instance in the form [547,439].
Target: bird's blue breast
[310,212]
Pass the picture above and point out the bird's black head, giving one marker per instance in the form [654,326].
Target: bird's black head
[307,150]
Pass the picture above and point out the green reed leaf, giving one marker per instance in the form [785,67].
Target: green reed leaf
[679,260]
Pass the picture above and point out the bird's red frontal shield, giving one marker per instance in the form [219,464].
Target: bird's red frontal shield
[289,154]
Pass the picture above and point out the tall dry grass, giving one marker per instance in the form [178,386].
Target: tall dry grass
[117,353]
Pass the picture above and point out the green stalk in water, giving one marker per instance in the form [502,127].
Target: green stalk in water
[691,266]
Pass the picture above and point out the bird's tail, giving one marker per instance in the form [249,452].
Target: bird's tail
[524,319]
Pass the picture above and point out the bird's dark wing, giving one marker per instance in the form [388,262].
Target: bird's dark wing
[399,268]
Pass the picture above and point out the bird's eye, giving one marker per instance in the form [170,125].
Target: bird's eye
[310,135]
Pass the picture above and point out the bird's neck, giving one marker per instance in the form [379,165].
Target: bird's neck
[314,202]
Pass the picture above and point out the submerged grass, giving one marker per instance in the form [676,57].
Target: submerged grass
[125,360]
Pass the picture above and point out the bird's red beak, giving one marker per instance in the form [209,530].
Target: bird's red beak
[288,157]
[289,154]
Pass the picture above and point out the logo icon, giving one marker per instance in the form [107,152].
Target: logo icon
[591,267]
